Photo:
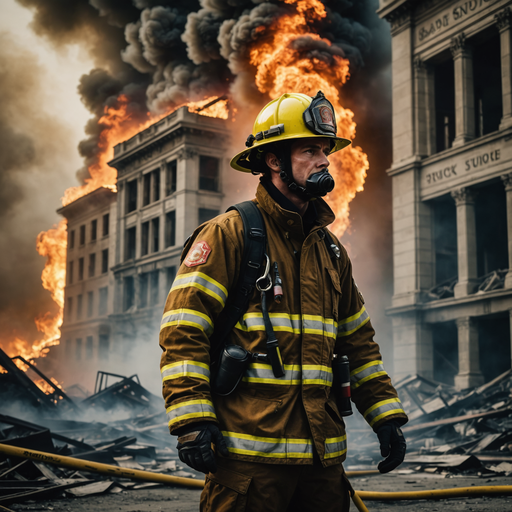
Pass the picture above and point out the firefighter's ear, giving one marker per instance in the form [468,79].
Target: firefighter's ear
[273,162]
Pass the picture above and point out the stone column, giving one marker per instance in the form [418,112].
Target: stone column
[464,94]
[469,358]
[421,128]
[163,290]
[466,242]
[503,23]
[507,181]
[510,320]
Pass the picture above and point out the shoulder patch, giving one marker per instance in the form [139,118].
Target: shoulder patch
[198,254]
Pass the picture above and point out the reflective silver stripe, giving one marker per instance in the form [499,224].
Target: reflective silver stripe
[319,325]
[186,369]
[353,323]
[280,322]
[202,282]
[366,372]
[289,323]
[294,374]
[190,409]
[316,374]
[382,409]
[262,373]
[273,447]
[335,446]
[187,317]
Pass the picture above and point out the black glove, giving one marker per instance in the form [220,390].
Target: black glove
[392,445]
[195,446]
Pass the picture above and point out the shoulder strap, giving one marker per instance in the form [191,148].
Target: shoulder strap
[255,241]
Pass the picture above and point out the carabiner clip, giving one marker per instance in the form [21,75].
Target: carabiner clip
[264,278]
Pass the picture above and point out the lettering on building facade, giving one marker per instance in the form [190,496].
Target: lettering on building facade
[450,17]
[470,164]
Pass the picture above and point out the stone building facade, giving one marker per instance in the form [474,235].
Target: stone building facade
[171,178]
[452,188]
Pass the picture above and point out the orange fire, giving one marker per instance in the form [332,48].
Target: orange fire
[46,388]
[118,126]
[280,69]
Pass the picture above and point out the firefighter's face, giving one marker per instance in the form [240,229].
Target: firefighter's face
[309,156]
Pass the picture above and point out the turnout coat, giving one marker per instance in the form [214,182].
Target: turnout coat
[267,419]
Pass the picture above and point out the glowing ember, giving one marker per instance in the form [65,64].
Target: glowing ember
[280,69]
[46,388]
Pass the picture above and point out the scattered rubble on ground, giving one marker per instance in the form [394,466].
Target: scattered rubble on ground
[130,431]
[449,431]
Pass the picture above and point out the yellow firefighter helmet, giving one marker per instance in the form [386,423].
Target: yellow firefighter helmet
[292,116]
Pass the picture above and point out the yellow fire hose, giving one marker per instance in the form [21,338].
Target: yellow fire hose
[148,476]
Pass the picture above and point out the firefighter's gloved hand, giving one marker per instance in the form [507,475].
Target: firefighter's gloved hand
[195,446]
[392,446]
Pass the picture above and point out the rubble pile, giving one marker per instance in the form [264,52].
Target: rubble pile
[449,431]
[130,431]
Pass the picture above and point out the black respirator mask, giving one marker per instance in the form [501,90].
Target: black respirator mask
[320,119]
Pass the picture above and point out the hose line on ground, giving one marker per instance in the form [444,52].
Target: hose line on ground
[148,476]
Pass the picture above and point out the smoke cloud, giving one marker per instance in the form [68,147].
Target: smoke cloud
[161,53]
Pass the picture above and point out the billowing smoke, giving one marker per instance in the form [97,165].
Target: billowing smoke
[159,54]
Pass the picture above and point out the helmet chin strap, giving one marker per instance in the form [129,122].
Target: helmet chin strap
[286,174]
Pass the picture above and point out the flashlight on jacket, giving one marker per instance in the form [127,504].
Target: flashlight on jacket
[278,284]
[341,384]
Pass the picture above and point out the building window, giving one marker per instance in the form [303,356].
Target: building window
[171,276]
[72,239]
[487,86]
[155,236]
[131,196]
[154,282]
[104,261]
[144,246]
[146,189]
[129,293]
[78,349]
[102,308]
[70,272]
[444,91]
[156,185]
[94,230]
[69,348]
[171,174]
[88,347]
[92,264]
[143,290]
[80,269]
[90,300]
[130,243]
[445,242]
[206,214]
[106,220]
[445,352]
[70,308]
[209,173]
[170,228]
[82,235]
[491,237]
[103,347]
[79,305]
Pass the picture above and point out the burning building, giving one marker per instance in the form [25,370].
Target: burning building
[452,188]
[124,247]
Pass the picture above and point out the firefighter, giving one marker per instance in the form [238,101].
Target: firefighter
[277,443]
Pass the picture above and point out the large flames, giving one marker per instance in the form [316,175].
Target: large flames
[279,68]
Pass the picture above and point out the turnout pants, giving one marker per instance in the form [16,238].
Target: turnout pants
[239,486]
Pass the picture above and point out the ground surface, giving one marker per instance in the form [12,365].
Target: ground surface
[174,499]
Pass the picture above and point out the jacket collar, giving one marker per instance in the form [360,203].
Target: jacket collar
[291,221]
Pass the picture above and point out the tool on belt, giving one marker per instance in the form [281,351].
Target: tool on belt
[341,384]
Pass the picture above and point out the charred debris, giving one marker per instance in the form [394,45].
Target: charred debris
[451,432]
[130,432]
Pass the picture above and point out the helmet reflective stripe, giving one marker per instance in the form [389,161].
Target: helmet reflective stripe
[288,112]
